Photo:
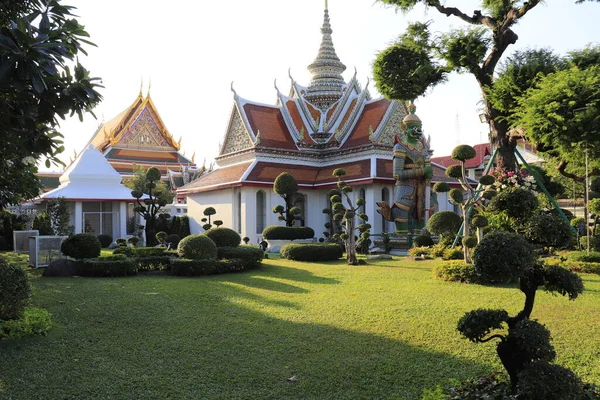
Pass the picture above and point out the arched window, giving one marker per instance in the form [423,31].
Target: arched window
[261,211]
[385,196]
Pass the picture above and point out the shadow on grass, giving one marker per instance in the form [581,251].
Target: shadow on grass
[198,338]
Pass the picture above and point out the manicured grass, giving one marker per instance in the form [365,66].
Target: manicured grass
[381,331]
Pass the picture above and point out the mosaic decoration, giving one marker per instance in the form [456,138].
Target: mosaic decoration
[393,126]
[237,137]
[145,133]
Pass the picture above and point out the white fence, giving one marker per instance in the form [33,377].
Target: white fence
[44,249]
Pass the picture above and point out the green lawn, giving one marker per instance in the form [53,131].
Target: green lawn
[380,331]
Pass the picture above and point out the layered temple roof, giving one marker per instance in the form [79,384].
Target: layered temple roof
[138,136]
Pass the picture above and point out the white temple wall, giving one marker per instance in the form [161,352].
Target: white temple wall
[221,200]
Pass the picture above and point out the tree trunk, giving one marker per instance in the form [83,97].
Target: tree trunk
[350,243]
[508,354]
[151,232]
[499,134]
[466,232]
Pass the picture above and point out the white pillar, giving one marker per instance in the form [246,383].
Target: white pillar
[78,217]
[371,208]
[427,202]
[122,231]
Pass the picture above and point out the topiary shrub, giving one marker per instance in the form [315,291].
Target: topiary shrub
[161,237]
[275,232]
[503,257]
[106,266]
[444,223]
[463,152]
[197,247]
[173,239]
[312,252]
[519,204]
[105,240]
[121,242]
[249,256]
[186,267]
[422,241]
[419,251]
[456,271]
[224,237]
[548,230]
[543,381]
[15,290]
[127,251]
[81,245]
[133,240]
[469,241]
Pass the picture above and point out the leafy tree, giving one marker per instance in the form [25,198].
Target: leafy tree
[345,214]
[151,205]
[286,186]
[523,341]
[41,81]
[418,61]
[138,182]
[60,216]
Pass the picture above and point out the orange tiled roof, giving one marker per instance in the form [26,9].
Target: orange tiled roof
[269,121]
[371,116]
[481,151]
[295,114]
[217,179]
[348,113]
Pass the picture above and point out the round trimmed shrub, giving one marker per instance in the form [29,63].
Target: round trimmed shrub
[487,180]
[518,203]
[105,240]
[444,223]
[463,152]
[479,221]
[197,247]
[455,271]
[454,171]
[503,257]
[543,381]
[224,237]
[133,240]
[422,240]
[469,242]
[121,242]
[275,232]
[81,245]
[548,230]
[312,252]
[161,236]
[441,187]
[15,290]
[456,195]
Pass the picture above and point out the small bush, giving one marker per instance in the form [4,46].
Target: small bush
[35,321]
[161,236]
[456,271]
[312,252]
[275,232]
[81,245]
[105,240]
[437,250]
[419,251]
[582,256]
[15,290]
[122,242]
[152,263]
[251,256]
[445,223]
[197,247]
[133,240]
[128,251]
[173,239]
[503,257]
[106,266]
[453,254]
[580,266]
[224,237]
[548,230]
[422,240]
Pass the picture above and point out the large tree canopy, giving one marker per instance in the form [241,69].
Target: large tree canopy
[417,61]
[41,81]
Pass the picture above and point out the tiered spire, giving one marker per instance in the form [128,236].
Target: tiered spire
[325,87]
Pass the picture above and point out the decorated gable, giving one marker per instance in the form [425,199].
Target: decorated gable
[144,132]
[237,137]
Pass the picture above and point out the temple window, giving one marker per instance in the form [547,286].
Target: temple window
[261,211]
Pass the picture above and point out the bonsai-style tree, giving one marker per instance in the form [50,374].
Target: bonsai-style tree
[286,186]
[150,206]
[524,347]
[444,224]
[470,198]
[208,211]
[346,215]
[332,227]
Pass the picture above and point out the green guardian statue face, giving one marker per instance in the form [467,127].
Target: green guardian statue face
[414,133]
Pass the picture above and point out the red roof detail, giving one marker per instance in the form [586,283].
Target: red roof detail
[348,113]
[481,151]
[371,116]
[316,114]
[217,178]
[269,121]
[331,111]
[295,114]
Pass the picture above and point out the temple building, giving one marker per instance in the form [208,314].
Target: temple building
[314,129]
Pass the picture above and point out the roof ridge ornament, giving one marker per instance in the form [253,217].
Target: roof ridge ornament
[235,95]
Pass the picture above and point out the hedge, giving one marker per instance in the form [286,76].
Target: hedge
[251,255]
[140,251]
[187,267]
[35,321]
[152,263]
[15,290]
[456,271]
[106,266]
[275,232]
[312,252]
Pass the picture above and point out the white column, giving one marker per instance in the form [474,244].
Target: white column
[427,202]
[78,217]
[371,207]
[122,231]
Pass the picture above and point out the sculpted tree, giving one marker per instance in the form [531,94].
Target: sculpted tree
[286,186]
[150,206]
[406,69]
[41,81]
[524,348]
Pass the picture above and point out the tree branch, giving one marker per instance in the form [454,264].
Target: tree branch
[476,19]
[496,336]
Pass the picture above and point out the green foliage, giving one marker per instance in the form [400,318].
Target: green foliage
[455,271]
[503,257]
[35,321]
[422,240]
[152,263]
[184,228]
[543,381]
[518,204]
[469,242]
[452,254]
[418,251]
[463,153]
[456,195]
[15,290]
[548,230]
[562,281]
[444,223]
[42,223]
[81,245]
[285,185]
[275,232]
[249,256]
[312,252]
[105,240]
[489,194]
[479,221]
[197,247]
[406,69]
[338,173]
[477,324]
[161,236]
[593,256]
[224,237]
[60,215]
[454,171]
[464,50]
[441,187]
[186,267]
[208,211]
[106,266]
[173,239]
[532,341]
[487,180]
[42,83]
[121,242]
[133,240]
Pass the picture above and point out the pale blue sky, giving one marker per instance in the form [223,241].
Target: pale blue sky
[193,50]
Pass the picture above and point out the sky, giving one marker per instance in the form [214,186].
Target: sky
[190,52]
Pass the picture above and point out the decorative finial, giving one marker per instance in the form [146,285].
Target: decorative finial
[290,74]
[235,95]
[326,7]
[412,108]
[149,87]
[194,157]
[141,85]
[275,84]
